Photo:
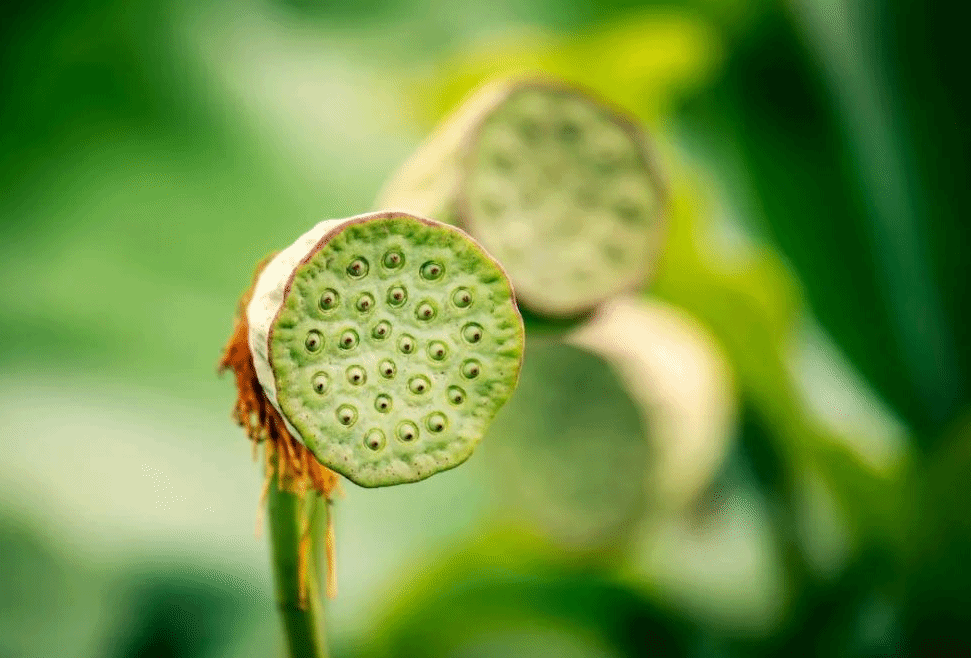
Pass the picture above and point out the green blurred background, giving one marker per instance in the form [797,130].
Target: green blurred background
[796,483]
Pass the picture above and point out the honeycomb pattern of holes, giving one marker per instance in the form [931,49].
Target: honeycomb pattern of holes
[462,297]
[381,330]
[329,299]
[348,339]
[346,415]
[406,344]
[393,259]
[436,422]
[397,296]
[365,302]
[437,350]
[387,368]
[456,395]
[356,376]
[358,268]
[314,341]
[374,439]
[425,311]
[419,384]
[432,271]
[407,431]
[471,368]
[320,382]
[472,332]
[383,403]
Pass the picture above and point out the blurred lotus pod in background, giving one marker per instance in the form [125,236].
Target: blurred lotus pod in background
[558,184]
[681,381]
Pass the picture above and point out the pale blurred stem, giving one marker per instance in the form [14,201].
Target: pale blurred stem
[303,623]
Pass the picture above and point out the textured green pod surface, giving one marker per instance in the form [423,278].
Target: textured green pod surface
[556,184]
[390,345]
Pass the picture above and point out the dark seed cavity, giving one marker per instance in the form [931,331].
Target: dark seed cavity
[397,296]
[387,368]
[462,297]
[314,340]
[437,350]
[419,384]
[357,268]
[471,368]
[346,415]
[432,271]
[406,344]
[356,375]
[425,311]
[472,332]
[329,299]
[365,302]
[348,339]
[381,330]
[393,260]
[321,382]
[383,403]
[436,422]
[456,395]
[407,431]
[374,439]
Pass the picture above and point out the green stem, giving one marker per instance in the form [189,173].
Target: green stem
[302,620]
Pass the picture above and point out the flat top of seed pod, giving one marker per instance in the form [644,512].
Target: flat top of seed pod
[397,342]
[560,188]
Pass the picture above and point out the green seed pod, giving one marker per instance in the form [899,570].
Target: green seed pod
[554,182]
[359,343]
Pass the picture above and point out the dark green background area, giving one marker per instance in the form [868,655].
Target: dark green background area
[818,155]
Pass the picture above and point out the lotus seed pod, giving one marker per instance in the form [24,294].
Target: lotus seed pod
[573,451]
[681,380]
[387,343]
[556,184]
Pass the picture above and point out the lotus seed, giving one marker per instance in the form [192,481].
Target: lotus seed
[393,260]
[397,296]
[471,369]
[436,422]
[406,344]
[407,431]
[456,395]
[472,332]
[346,415]
[383,403]
[356,375]
[357,268]
[437,350]
[432,271]
[348,340]
[462,297]
[381,330]
[419,384]
[425,311]
[329,299]
[365,302]
[387,368]
[314,340]
[374,439]
[321,382]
